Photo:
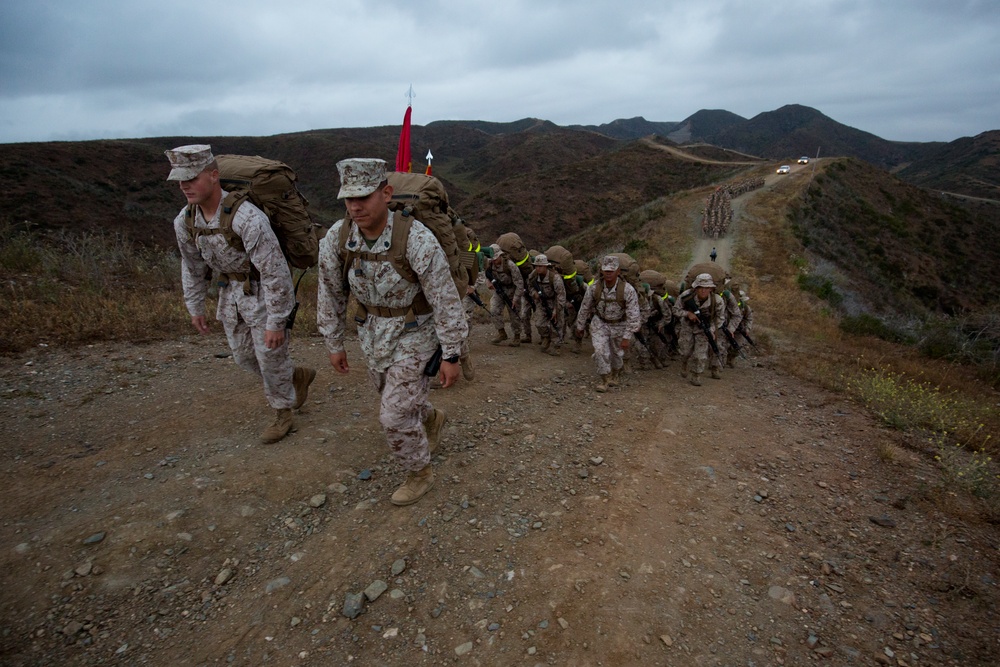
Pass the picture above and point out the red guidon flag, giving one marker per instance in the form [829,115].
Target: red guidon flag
[403,160]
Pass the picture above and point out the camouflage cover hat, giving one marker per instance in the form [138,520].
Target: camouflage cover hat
[360,176]
[540,260]
[703,280]
[187,162]
[610,263]
[497,251]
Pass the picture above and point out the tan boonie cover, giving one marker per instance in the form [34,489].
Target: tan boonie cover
[270,186]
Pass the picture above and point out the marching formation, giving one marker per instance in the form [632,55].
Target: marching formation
[718,213]
[634,318]
[408,271]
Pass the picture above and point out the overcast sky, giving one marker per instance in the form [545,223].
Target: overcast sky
[911,70]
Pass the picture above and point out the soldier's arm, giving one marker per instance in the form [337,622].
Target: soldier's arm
[331,297]
[431,266]
[193,272]
[264,252]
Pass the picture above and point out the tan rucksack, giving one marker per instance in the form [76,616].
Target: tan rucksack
[717,272]
[629,267]
[415,197]
[270,186]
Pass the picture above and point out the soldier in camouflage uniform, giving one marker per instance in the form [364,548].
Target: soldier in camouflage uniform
[255,284]
[615,307]
[402,323]
[505,281]
[549,293]
[694,306]
[731,322]
[743,329]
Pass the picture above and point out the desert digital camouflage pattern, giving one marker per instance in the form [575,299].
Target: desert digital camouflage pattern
[383,339]
[732,316]
[244,316]
[552,290]
[395,356]
[511,282]
[692,344]
[613,322]
[186,162]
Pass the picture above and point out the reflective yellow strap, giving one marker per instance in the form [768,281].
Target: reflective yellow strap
[478,246]
[570,276]
[526,258]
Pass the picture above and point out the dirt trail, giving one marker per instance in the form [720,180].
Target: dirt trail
[745,522]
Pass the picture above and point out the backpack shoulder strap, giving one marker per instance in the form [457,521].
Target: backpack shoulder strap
[228,208]
[620,292]
[396,254]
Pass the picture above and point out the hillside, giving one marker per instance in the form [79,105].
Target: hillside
[894,249]
[969,166]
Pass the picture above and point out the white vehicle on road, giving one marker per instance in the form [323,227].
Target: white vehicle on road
[783,169]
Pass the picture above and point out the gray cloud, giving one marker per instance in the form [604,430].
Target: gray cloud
[920,70]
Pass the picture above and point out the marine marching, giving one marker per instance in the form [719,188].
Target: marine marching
[409,273]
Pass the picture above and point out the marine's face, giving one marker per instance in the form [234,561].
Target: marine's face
[702,292]
[199,189]
[610,277]
[371,212]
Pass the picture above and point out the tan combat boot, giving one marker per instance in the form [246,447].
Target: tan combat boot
[696,379]
[468,370]
[614,377]
[656,361]
[546,341]
[500,337]
[302,377]
[526,337]
[280,428]
[602,386]
[684,369]
[515,341]
[413,489]
[715,374]
[432,427]
[553,351]
[577,346]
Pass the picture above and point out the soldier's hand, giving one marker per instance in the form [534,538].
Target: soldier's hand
[274,339]
[626,343]
[449,373]
[339,362]
[200,324]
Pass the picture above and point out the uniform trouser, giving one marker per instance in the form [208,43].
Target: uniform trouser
[547,328]
[607,341]
[694,348]
[497,308]
[526,314]
[404,407]
[250,352]
[469,306]
[725,349]
[657,348]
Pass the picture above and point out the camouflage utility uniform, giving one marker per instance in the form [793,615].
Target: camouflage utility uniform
[396,352]
[550,297]
[507,278]
[692,344]
[614,321]
[255,292]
